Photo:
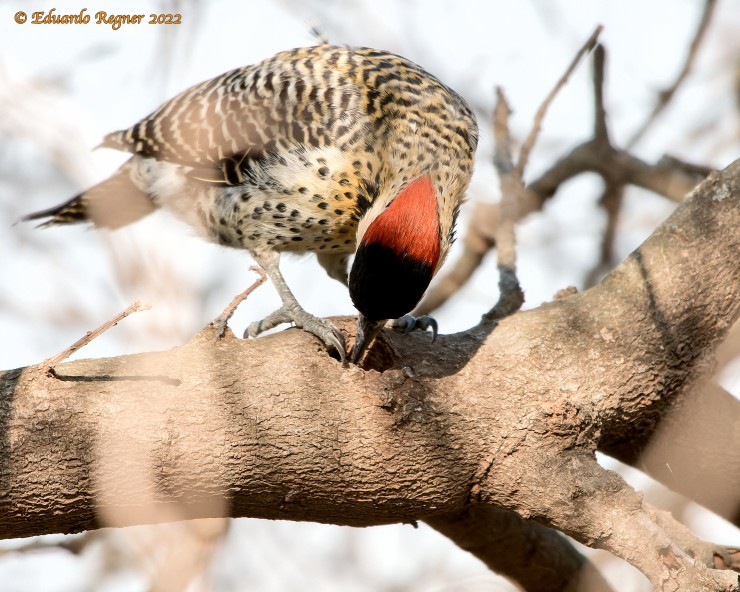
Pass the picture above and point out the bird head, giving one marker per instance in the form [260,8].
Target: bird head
[398,253]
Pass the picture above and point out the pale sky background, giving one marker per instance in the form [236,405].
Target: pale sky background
[63,87]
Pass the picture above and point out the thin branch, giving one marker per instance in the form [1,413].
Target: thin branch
[510,180]
[221,321]
[601,130]
[611,202]
[612,198]
[540,115]
[511,296]
[532,555]
[49,363]
[665,96]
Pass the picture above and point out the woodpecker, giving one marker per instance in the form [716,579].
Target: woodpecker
[325,149]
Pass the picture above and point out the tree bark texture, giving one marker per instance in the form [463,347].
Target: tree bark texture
[498,423]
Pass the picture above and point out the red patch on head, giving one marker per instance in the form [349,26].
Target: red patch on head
[410,224]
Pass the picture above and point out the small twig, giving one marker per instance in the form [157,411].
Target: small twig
[540,115]
[665,96]
[221,321]
[601,130]
[49,363]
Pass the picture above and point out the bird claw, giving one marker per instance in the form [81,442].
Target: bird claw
[319,327]
[408,323]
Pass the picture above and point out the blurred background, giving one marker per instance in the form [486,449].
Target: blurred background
[62,87]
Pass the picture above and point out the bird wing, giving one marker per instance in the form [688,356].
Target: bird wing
[222,127]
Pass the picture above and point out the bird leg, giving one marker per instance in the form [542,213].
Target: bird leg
[292,312]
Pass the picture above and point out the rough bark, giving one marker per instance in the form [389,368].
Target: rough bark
[504,417]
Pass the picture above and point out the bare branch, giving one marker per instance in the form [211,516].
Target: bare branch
[611,202]
[510,180]
[540,115]
[511,296]
[49,364]
[667,178]
[612,197]
[601,130]
[221,321]
[665,96]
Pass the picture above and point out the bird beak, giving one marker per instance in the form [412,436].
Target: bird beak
[367,331]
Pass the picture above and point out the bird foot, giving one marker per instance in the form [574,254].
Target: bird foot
[293,313]
[408,323]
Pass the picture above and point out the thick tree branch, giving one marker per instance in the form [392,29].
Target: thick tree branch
[503,417]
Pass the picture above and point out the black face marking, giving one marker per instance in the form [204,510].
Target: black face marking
[385,286]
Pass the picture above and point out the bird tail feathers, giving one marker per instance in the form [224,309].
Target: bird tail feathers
[113,203]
